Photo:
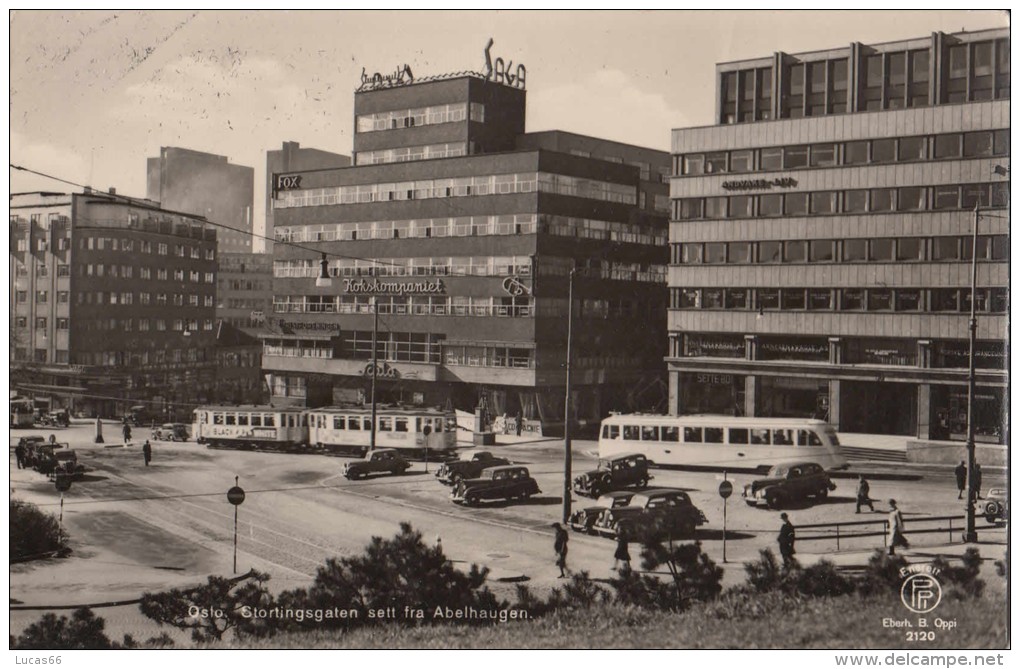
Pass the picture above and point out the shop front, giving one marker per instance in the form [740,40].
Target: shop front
[949,414]
[878,408]
[711,393]
[793,397]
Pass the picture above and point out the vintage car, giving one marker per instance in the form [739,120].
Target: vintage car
[995,507]
[381,460]
[55,459]
[660,513]
[506,482]
[583,520]
[788,482]
[469,465]
[32,441]
[614,473]
[170,432]
[58,418]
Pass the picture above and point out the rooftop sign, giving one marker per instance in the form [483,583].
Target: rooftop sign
[501,73]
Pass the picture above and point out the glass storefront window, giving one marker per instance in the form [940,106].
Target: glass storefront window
[901,352]
[714,346]
[819,299]
[814,349]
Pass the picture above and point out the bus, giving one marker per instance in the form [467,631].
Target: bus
[721,442]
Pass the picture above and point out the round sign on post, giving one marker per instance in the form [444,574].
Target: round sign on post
[63,483]
[235,495]
[725,489]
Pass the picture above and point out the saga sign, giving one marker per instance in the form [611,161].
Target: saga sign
[500,72]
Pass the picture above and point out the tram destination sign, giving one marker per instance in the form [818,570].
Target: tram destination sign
[760,184]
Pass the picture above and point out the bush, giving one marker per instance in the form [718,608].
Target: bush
[765,574]
[646,592]
[884,573]
[695,576]
[580,592]
[964,579]
[210,610]
[33,533]
[84,631]
[822,579]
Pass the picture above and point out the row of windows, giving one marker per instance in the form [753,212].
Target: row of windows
[97,243]
[41,296]
[712,435]
[476,226]
[41,269]
[127,272]
[392,346]
[145,299]
[978,144]
[244,284]
[498,184]
[288,348]
[144,324]
[908,198]
[891,80]
[407,153]
[514,307]
[41,323]
[879,249]
[934,300]
[251,418]
[489,356]
[141,358]
[384,423]
[411,118]
[428,266]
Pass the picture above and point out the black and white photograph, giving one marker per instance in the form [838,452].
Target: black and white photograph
[409,329]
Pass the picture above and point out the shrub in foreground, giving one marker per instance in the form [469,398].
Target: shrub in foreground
[33,533]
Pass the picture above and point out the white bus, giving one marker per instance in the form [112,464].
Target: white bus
[721,442]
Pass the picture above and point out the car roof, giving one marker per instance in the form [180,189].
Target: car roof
[619,493]
[622,456]
[504,468]
[712,420]
[797,463]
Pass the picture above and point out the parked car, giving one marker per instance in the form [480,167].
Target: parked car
[171,432]
[381,460]
[469,465]
[652,514]
[53,459]
[58,418]
[788,482]
[67,464]
[995,506]
[506,482]
[583,520]
[614,473]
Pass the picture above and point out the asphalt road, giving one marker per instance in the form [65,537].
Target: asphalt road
[170,523]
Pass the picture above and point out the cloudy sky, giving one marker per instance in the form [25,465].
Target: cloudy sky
[93,93]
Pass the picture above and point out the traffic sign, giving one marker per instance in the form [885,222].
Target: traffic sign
[63,483]
[725,489]
[235,495]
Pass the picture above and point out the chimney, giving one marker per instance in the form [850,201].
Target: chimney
[113,191]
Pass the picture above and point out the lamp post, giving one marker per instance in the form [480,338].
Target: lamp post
[970,533]
[566,409]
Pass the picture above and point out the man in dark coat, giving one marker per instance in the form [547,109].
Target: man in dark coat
[787,535]
[520,422]
[19,454]
[864,494]
[961,478]
[147,452]
[560,546]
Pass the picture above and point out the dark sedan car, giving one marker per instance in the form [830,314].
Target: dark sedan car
[789,482]
[583,520]
[469,465]
[507,482]
[652,514]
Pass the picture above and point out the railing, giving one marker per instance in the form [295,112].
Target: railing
[845,530]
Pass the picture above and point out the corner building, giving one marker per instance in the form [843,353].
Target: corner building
[821,239]
[464,230]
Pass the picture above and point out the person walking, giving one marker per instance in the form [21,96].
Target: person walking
[127,433]
[622,554]
[961,478]
[147,452]
[787,536]
[99,430]
[560,546]
[520,421]
[19,455]
[895,522]
[976,475]
[864,494]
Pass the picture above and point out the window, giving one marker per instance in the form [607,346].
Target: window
[852,299]
[822,250]
[883,150]
[795,156]
[977,144]
[881,199]
[946,197]
[715,207]
[917,95]
[879,299]
[712,298]
[855,153]
[715,163]
[771,159]
[715,252]
[912,148]
[945,248]
[855,201]
[736,298]
[694,164]
[795,251]
[881,249]
[819,299]
[823,202]
[770,252]
[975,195]
[945,299]
[947,146]
[741,161]
[741,206]
[768,298]
[690,208]
[911,248]
[796,204]
[738,252]
[855,250]
[908,300]
[910,199]
[793,298]
[823,155]
[770,205]
[691,254]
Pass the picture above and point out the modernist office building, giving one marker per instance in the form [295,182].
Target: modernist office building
[463,230]
[112,302]
[206,185]
[821,238]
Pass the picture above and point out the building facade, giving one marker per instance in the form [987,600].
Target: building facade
[112,303]
[244,289]
[208,186]
[291,158]
[821,239]
[459,232]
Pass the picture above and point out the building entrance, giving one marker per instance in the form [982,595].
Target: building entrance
[878,408]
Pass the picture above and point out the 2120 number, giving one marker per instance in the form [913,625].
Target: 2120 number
[920,636]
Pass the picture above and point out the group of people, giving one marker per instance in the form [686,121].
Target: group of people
[961,479]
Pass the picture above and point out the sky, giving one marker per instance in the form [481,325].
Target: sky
[94,93]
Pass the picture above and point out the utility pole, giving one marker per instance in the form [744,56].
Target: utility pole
[970,534]
[375,366]
[566,409]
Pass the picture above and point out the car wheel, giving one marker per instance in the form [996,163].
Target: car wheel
[595,492]
[643,482]
[470,500]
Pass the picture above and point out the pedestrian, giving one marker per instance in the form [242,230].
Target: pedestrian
[99,430]
[147,452]
[19,455]
[506,423]
[976,475]
[127,434]
[961,478]
[560,546]
[863,494]
[896,536]
[787,536]
[622,553]
[520,421]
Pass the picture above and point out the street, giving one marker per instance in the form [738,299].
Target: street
[137,528]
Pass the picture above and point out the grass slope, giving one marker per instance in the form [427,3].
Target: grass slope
[769,621]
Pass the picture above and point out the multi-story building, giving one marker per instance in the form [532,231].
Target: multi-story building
[821,238]
[209,186]
[461,232]
[292,158]
[244,289]
[112,302]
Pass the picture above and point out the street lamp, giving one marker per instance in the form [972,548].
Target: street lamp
[970,534]
[566,410]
